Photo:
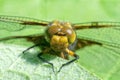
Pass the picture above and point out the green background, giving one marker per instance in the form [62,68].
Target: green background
[96,62]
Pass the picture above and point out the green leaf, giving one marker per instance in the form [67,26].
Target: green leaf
[96,62]
[103,60]
[16,66]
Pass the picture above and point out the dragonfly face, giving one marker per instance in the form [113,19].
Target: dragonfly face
[60,35]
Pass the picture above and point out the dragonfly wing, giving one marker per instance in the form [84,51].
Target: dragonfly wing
[36,39]
[101,24]
[15,23]
[32,38]
[81,43]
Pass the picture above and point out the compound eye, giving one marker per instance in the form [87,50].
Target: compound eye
[53,30]
[70,34]
[67,30]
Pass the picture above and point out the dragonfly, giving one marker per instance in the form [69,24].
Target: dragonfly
[59,38]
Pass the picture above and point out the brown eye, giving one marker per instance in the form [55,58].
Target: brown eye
[53,30]
[67,30]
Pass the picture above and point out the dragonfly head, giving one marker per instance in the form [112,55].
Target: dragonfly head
[60,35]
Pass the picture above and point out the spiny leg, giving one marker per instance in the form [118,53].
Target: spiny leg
[44,60]
[80,44]
[30,48]
[72,54]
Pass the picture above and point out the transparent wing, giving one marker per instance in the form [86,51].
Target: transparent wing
[15,23]
[33,38]
[100,24]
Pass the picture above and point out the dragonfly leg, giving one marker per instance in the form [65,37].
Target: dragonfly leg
[30,48]
[44,60]
[72,54]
